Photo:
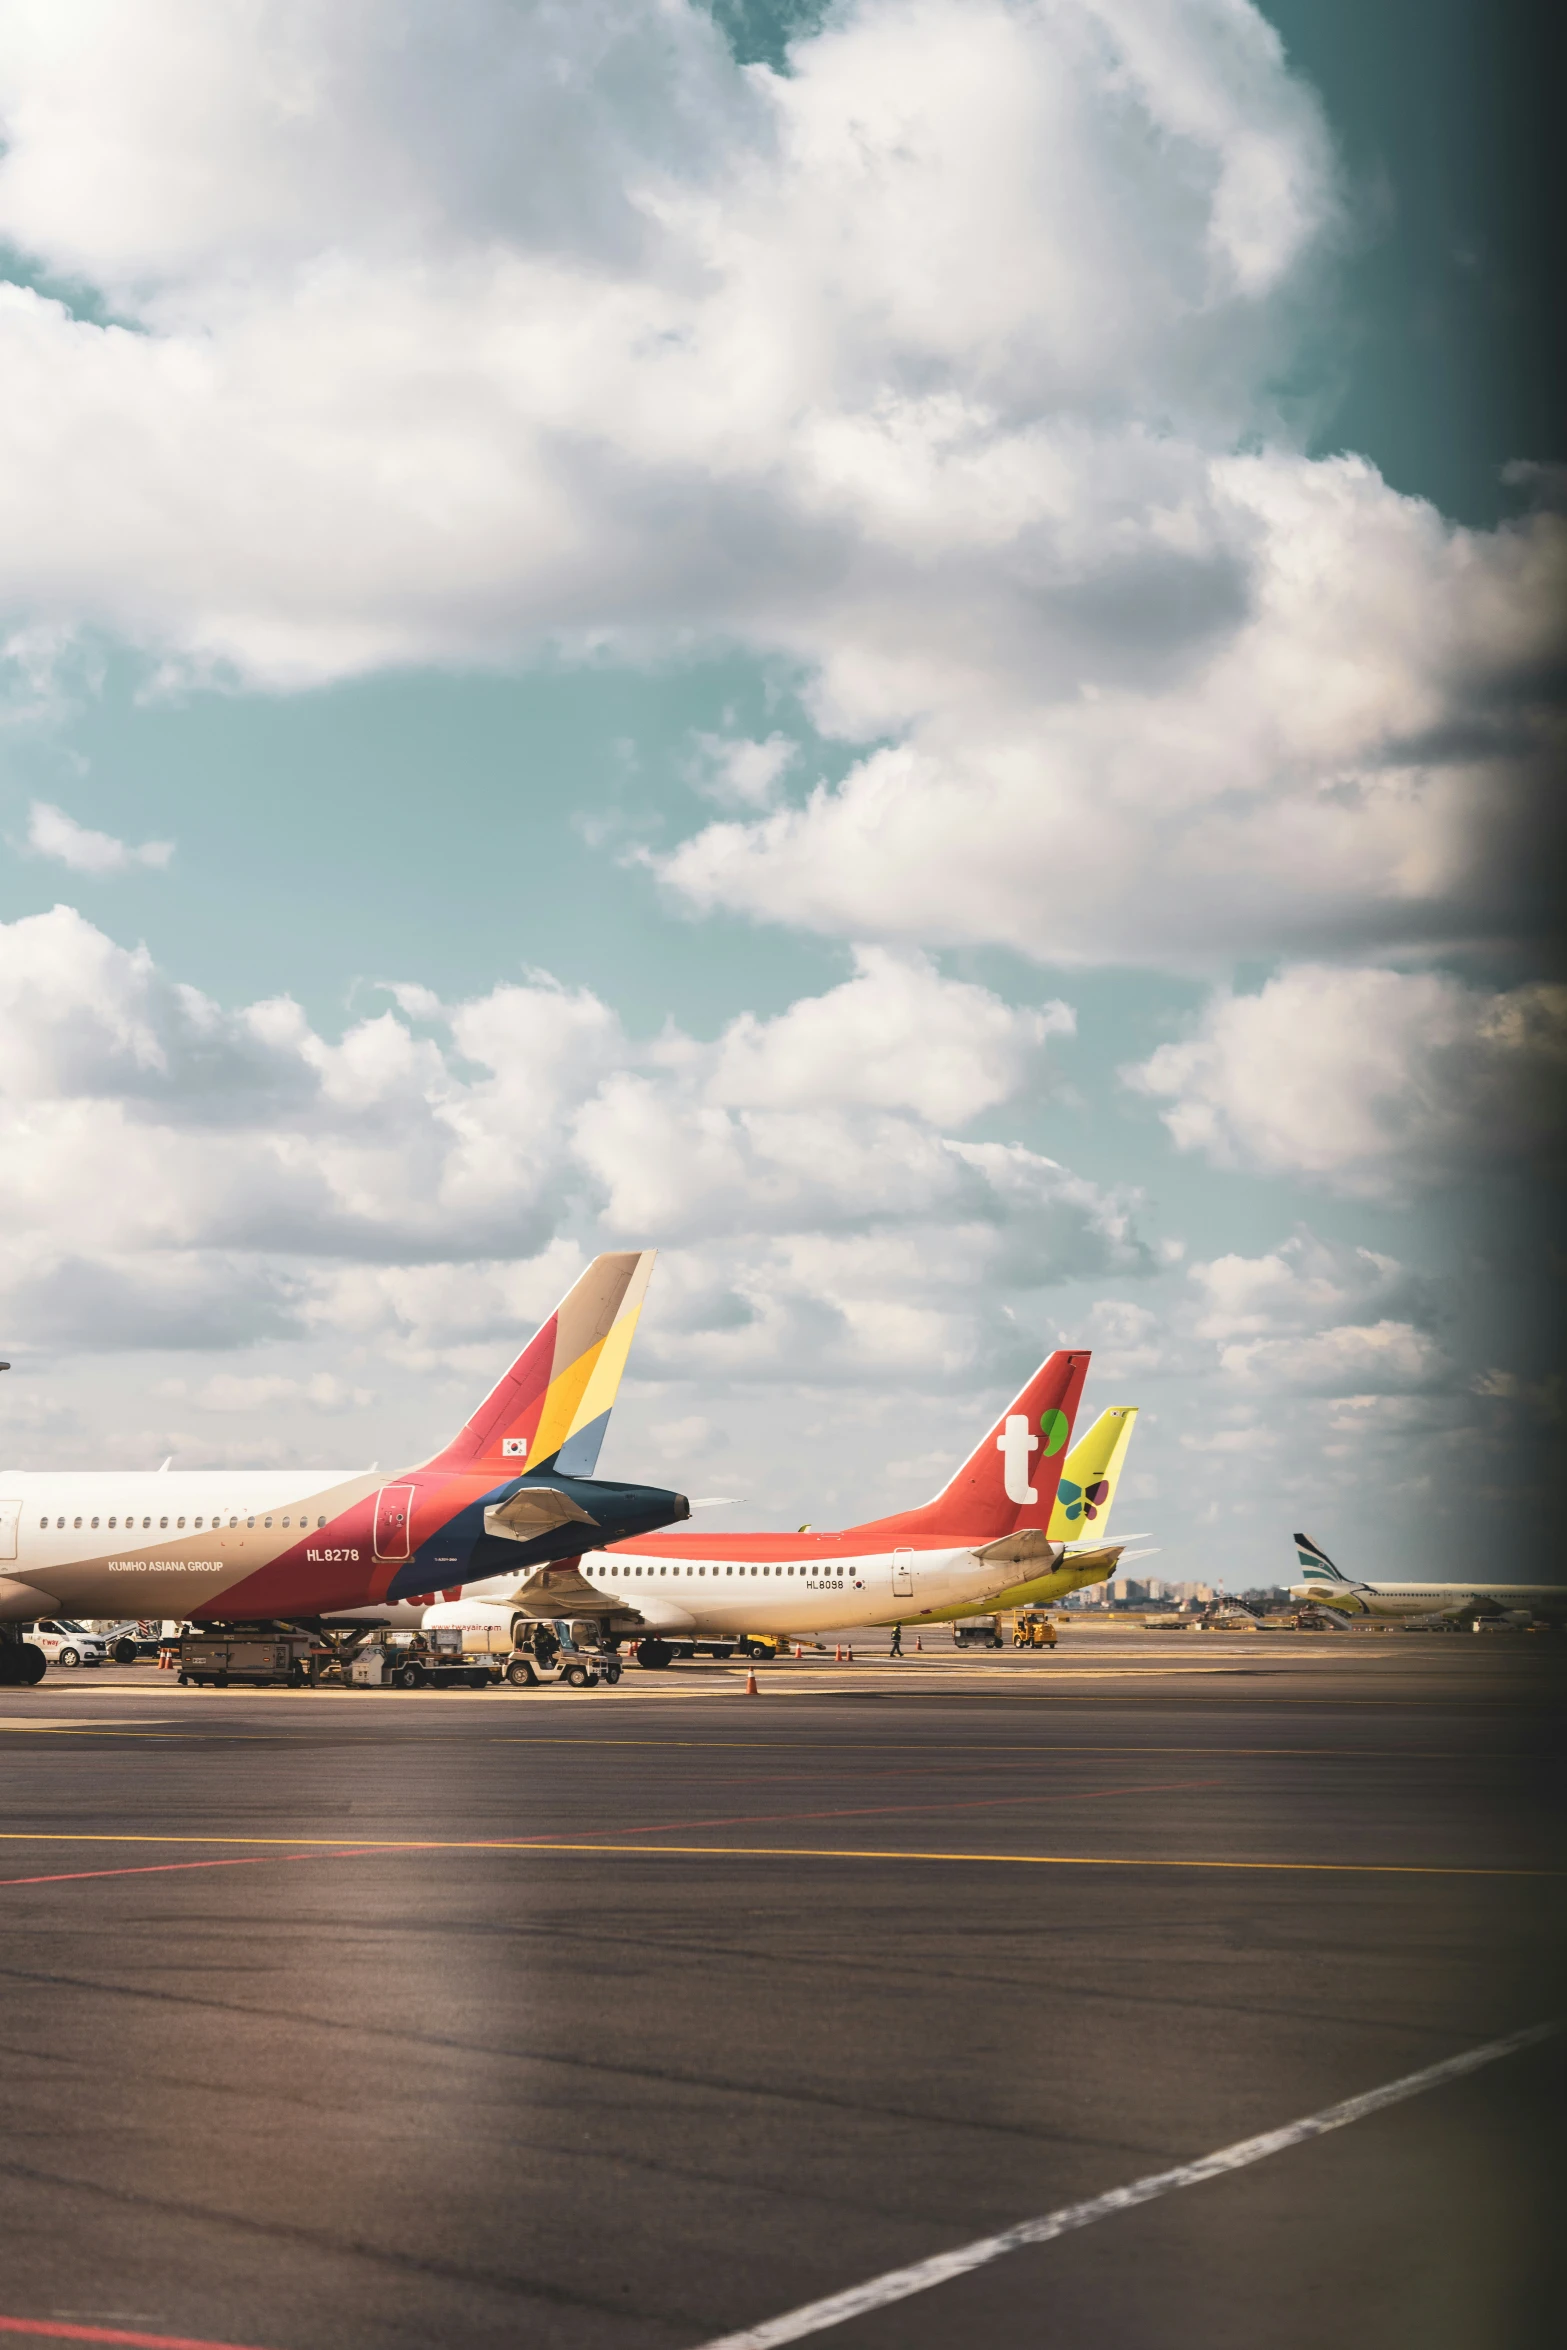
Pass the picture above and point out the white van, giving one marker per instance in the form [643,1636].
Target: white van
[65,1643]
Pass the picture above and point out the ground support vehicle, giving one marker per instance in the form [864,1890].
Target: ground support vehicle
[66,1643]
[411,1666]
[977,1632]
[258,1656]
[1032,1628]
[563,1652]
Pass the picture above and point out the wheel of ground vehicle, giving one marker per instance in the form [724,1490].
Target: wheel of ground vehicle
[686,1651]
[407,1677]
[184,1680]
[575,1676]
[68,1656]
[995,1639]
[654,1654]
[520,1673]
[478,1678]
[33,1665]
[220,1680]
[125,1652]
[612,1670]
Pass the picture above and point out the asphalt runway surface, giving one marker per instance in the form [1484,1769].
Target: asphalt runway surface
[644,2017]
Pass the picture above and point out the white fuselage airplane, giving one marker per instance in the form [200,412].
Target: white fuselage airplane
[514,1488]
[1325,1586]
[986,1528]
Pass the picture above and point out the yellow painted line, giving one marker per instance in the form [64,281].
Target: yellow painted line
[74,1721]
[1036,1860]
[85,1730]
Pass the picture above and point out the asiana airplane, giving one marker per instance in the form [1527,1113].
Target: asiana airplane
[987,1526]
[514,1490]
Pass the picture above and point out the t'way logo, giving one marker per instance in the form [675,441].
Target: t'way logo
[1017,1441]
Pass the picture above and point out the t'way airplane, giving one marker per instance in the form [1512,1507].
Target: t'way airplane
[233,1546]
[1089,1476]
[967,1544]
[1325,1587]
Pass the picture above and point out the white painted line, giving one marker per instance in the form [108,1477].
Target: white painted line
[897,2284]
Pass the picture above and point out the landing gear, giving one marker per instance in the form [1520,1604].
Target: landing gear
[654,1655]
[22,1664]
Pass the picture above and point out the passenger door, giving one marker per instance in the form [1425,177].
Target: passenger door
[394,1509]
[903,1574]
[10,1512]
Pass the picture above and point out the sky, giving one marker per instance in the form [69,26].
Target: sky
[911,650]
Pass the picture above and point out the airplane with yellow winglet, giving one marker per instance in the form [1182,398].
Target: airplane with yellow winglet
[1059,1561]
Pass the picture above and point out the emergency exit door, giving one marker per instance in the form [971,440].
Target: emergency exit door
[394,1509]
[903,1574]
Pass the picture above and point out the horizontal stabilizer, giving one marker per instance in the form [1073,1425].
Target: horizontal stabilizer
[534,1510]
[1030,1546]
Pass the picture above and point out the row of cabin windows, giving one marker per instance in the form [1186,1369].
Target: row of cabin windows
[636,1574]
[43,1523]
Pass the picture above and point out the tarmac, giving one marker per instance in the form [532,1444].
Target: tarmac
[652,2016]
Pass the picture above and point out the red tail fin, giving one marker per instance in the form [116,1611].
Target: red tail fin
[555,1400]
[1009,1480]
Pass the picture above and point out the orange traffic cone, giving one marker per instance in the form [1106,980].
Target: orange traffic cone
[751,1689]
[798,1651]
[837,1654]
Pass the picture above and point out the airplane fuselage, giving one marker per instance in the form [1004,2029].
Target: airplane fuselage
[790,1582]
[1428,1599]
[237,1545]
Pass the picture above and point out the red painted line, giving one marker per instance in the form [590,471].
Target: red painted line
[872,1811]
[154,1868]
[160,1868]
[58,2331]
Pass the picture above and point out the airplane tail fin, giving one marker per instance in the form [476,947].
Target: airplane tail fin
[553,1406]
[1315,1562]
[1089,1476]
[1008,1483]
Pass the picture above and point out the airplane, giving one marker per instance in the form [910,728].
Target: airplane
[1325,1587]
[1089,1477]
[663,1592]
[514,1489]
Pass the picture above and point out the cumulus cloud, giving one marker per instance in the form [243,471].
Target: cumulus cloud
[1371,1081]
[925,368]
[441,1188]
[739,771]
[51,833]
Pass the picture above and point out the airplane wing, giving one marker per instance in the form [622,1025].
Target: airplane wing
[561,1589]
